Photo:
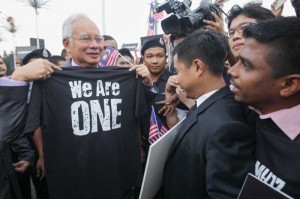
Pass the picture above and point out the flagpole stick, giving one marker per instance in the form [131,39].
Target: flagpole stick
[144,78]
[126,59]
[155,21]
[103,17]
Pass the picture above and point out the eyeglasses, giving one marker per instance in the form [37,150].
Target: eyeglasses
[239,29]
[88,39]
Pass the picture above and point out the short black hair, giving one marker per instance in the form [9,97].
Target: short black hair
[108,37]
[206,45]
[56,58]
[282,36]
[253,11]
[175,36]
[126,52]
[63,52]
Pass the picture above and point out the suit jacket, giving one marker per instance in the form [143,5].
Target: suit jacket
[12,120]
[12,111]
[213,152]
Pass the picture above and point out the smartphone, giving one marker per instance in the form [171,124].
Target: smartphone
[278,3]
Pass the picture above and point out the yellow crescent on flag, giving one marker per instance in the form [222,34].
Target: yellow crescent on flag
[106,54]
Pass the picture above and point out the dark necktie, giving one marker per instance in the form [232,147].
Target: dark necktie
[191,110]
[1,146]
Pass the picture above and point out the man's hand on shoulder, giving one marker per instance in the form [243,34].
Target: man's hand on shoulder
[38,69]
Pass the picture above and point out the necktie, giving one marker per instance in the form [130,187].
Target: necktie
[191,110]
[1,146]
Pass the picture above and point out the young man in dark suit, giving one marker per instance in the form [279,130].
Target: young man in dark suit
[214,149]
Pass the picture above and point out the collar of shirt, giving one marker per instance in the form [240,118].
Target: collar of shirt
[286,119]
[73,63]
[202,98]
[164,76]
[6,81]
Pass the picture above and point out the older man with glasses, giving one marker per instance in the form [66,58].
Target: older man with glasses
[89,119]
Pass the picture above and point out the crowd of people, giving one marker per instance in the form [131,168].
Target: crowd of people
[72,128]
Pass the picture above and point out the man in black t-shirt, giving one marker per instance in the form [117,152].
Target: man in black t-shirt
[267,77]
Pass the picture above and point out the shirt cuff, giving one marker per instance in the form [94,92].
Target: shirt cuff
[6,81]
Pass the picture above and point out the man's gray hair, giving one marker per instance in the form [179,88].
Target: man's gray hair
[67,30]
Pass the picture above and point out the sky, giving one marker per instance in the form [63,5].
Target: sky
[126,21]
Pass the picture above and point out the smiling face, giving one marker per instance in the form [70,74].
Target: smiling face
[3,68]
[252,80]
[84,53]
[236,42]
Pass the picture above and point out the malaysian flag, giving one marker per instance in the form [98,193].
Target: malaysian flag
[109,57]
[158,15]
[157,128]
[151,21]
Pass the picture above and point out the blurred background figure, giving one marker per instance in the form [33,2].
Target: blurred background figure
[57,60]
[125,58]
[65,54]
[3,68]
[109,41]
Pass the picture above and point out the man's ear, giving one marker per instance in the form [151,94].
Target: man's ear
[199,67]
[290,85]
[66,43]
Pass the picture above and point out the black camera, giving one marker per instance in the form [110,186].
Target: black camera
[184,20]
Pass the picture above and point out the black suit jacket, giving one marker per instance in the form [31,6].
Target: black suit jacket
[213,152]
[12,111]
[12,120]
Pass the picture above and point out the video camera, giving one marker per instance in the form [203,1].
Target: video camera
[184,20]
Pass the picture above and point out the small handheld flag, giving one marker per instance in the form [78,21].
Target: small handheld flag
[157,128]
[109,57]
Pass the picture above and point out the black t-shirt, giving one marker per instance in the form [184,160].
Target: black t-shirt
[90,131]
[277,156]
